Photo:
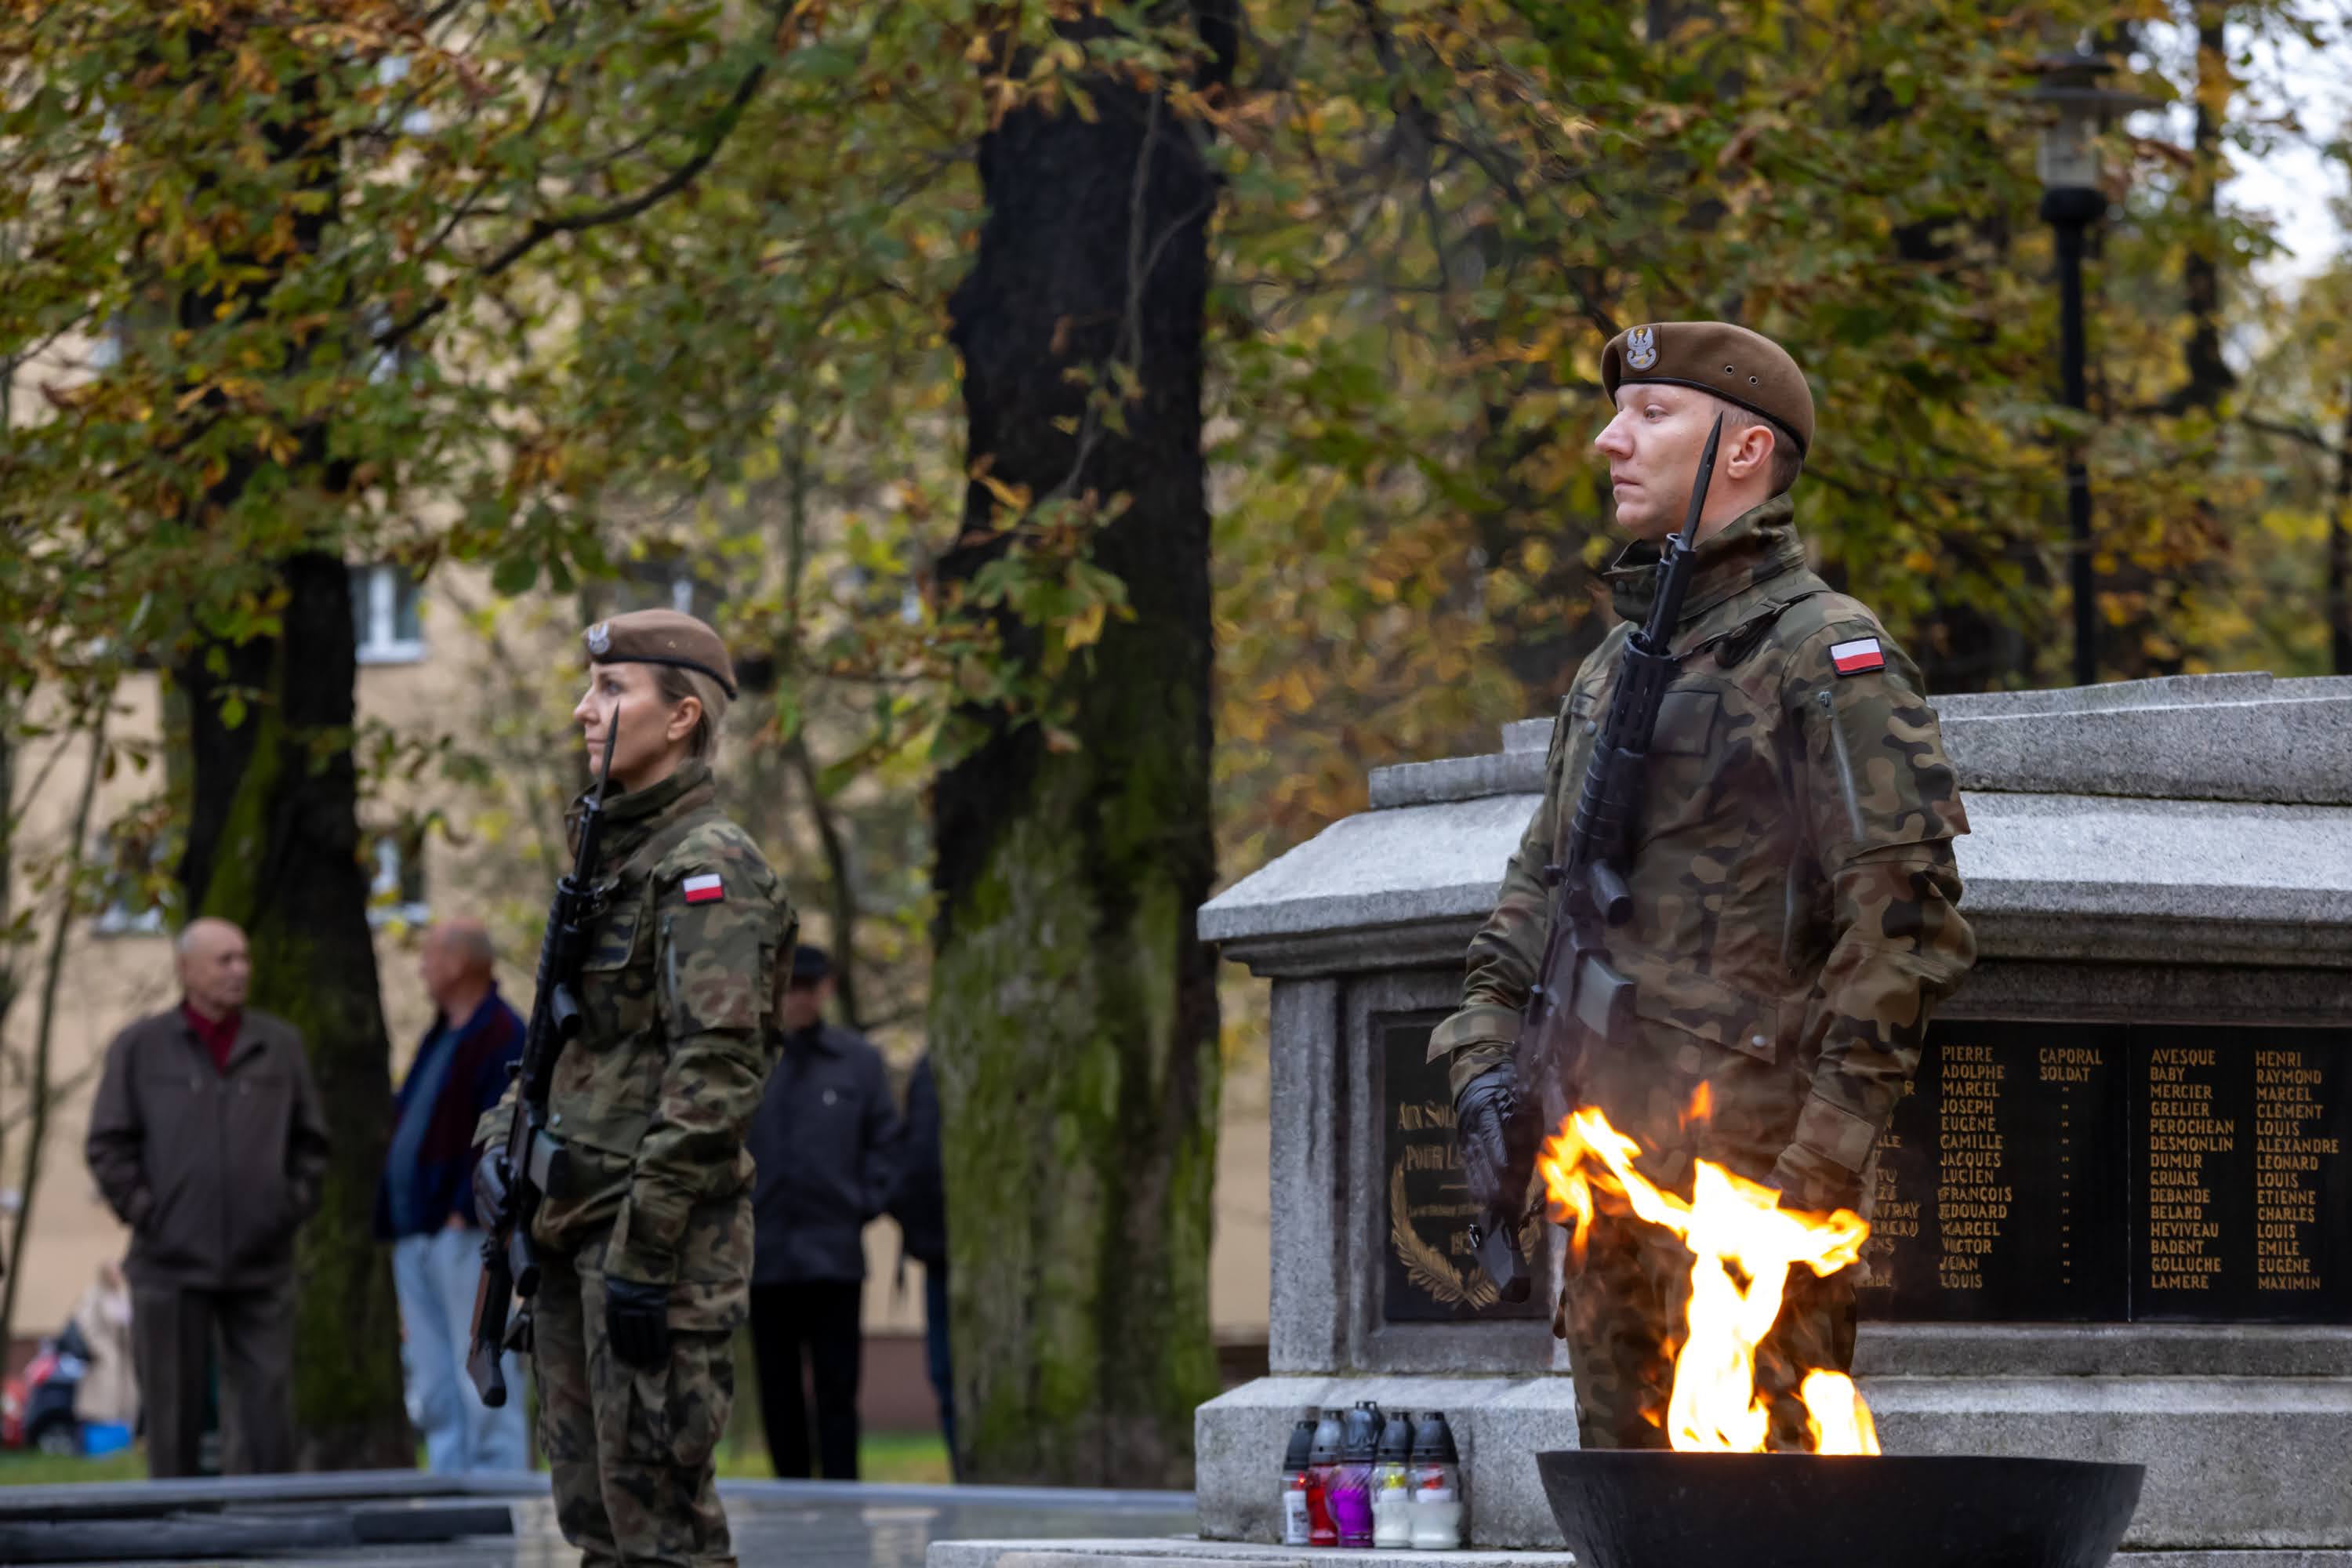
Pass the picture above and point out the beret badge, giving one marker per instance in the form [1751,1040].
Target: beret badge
[600,639]
[1642,348]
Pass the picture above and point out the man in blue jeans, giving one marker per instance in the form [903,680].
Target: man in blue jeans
[426,1205]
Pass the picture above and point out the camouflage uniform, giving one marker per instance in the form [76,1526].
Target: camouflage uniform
[652,1101]
[1796,922]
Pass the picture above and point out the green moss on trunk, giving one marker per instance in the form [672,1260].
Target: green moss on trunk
[1083,1106]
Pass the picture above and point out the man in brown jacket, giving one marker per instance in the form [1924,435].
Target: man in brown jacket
[207,1138]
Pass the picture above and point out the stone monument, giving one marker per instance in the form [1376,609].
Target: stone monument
[2115,1207]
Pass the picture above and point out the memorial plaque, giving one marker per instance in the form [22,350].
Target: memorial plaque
[2001,1193]
[2238,1168]
[2031,1173]
[1430,1275]
[2073,1173]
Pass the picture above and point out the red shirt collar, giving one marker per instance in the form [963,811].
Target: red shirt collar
[219,1039]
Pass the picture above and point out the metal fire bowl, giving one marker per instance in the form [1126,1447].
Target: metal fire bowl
[1641,1509]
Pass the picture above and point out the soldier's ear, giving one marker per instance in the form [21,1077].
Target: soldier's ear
[1751,451]
[683,719]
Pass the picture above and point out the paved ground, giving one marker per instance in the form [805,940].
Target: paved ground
[309,1520]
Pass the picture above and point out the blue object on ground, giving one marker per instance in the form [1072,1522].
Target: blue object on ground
[99,1438]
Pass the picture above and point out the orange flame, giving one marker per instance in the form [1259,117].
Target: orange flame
[1836,1414]
[1742,1246]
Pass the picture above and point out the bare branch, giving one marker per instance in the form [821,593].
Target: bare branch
[2310,437]
[544,229]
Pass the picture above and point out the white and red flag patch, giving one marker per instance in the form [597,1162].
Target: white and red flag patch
[705,889]
[1859,656]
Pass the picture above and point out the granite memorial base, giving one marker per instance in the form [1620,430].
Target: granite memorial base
[2114,1210]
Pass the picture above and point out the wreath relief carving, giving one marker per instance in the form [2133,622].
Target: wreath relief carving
[1426,1266]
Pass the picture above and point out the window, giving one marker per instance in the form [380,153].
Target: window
[386,618]
[138,885]
[396,891]
[384,366]
[106,349]
[121,918]
[662,578]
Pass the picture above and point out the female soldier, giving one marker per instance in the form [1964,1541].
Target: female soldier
[647,1251]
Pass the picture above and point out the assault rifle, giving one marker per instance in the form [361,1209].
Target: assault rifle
[534,1160]
[1576,988]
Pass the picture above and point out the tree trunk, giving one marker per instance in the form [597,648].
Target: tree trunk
[2192,542]
[1072,1012]
[2205,374]
[273,843]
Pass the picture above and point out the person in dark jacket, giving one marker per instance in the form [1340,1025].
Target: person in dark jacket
[918,1201]
[823,1139]
[207,1138]
[425,1207]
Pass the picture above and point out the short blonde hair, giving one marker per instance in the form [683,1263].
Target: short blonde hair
[676,685]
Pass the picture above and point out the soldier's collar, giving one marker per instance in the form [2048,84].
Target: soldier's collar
[635,806]
[1757,545]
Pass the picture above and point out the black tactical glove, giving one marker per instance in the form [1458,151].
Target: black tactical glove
[1814,1183]
[636,1319]
[1486,1129]
[493,1189]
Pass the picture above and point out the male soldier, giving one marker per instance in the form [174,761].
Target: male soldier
[647,1250]
[1795,897]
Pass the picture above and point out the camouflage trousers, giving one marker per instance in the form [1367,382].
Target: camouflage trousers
[1622,1310]
[630,1448]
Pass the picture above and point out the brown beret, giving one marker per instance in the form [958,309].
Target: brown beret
[661,637]
[1736,364]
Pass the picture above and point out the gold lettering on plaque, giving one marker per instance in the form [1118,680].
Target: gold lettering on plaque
[2182,1133]
[2286,1109]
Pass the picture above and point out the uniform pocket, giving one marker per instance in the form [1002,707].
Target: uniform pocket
[616,939]
[677,1410]
[1720,1014]
[1687,721]
[608,1079]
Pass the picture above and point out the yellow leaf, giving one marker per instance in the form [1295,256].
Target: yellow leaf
[1085,628]
[1015,496]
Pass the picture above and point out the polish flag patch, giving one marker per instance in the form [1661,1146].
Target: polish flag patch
[1859,656]
[705,889]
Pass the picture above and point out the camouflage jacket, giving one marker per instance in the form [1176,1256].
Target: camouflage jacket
[1796,900]
[653,1099]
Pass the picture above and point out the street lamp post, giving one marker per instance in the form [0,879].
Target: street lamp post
[2072,200]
